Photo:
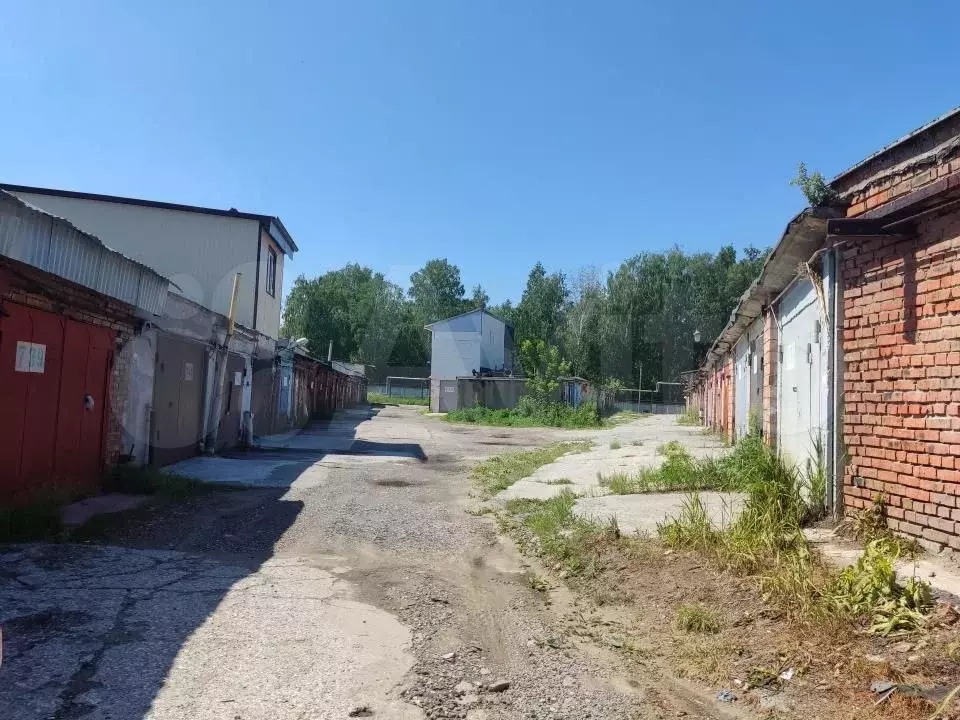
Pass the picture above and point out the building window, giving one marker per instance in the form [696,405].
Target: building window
[271,271]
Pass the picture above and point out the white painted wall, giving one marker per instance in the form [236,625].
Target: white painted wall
[466,343]
[199,252]
[741,387]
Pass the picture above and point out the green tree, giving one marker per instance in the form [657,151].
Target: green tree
[479,300]
[437,291]
[539,315]
[543,367]
[354,307]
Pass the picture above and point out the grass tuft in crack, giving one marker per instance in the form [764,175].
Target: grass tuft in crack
[501,471]
[697,619]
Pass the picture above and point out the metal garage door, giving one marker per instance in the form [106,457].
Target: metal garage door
[741,387]
[54,411]
[448,395]
[801,412]
[264,396]
[232,409]
[178,387]
[756,378]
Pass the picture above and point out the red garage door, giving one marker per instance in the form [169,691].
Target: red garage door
[53,394]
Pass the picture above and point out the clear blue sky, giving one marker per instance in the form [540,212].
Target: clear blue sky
[493,133]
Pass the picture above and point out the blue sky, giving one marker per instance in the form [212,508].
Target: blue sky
[494,133]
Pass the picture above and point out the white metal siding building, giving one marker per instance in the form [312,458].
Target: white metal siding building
[465,343]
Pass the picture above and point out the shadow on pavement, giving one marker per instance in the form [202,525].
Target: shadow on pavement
[155,615]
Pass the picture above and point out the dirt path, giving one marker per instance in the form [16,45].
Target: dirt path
[355,581]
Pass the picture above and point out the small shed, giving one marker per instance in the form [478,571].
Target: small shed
[474,342]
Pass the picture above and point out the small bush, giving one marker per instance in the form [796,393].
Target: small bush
[697,619]
[615,444]
[531,414]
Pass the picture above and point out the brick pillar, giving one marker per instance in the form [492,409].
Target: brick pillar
[728,415]
[771,361]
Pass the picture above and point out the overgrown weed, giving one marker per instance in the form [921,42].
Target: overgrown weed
[502,471]
[766,542]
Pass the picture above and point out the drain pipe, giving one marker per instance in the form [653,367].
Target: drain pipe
[829,260]
[220,378]
[836,461]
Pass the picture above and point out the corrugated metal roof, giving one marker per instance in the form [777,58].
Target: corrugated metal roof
[54,245]
[803,236]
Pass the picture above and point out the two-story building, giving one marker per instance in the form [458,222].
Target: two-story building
[175,406]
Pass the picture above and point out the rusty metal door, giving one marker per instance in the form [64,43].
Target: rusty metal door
[230,422]
[263,396]
[52,423]
[178,385]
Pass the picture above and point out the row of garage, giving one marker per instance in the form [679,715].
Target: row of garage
[100,363]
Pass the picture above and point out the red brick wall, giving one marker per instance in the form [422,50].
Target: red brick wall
[901,340]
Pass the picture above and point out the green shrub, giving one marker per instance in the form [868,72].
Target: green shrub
[529,413]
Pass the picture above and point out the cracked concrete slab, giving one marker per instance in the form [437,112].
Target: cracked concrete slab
[642,513]
[107,633]
[634,446]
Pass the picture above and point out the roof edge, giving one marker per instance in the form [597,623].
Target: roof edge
[269,220]
[896,143]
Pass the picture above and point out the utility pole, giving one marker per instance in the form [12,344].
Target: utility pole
[639,387]
[210,442]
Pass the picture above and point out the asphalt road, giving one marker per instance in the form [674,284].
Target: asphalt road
[350,581]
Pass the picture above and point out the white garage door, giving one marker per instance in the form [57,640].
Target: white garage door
[802,411]
[741,387]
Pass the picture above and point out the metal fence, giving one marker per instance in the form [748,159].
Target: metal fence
[660,402]
[403,387]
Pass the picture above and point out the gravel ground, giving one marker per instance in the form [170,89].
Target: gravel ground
[378,522]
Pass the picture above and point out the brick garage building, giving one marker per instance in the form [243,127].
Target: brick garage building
[860,306]
[67,306]
[901,332]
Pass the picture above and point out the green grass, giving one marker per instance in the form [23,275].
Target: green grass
[690,416]
[500,472]
[623,417]
[380,399]
[697,619]
[530,415]
[615,444]
[766,542]
[153,481]
[678,472]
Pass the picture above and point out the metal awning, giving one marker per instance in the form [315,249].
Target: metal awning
[803,236]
